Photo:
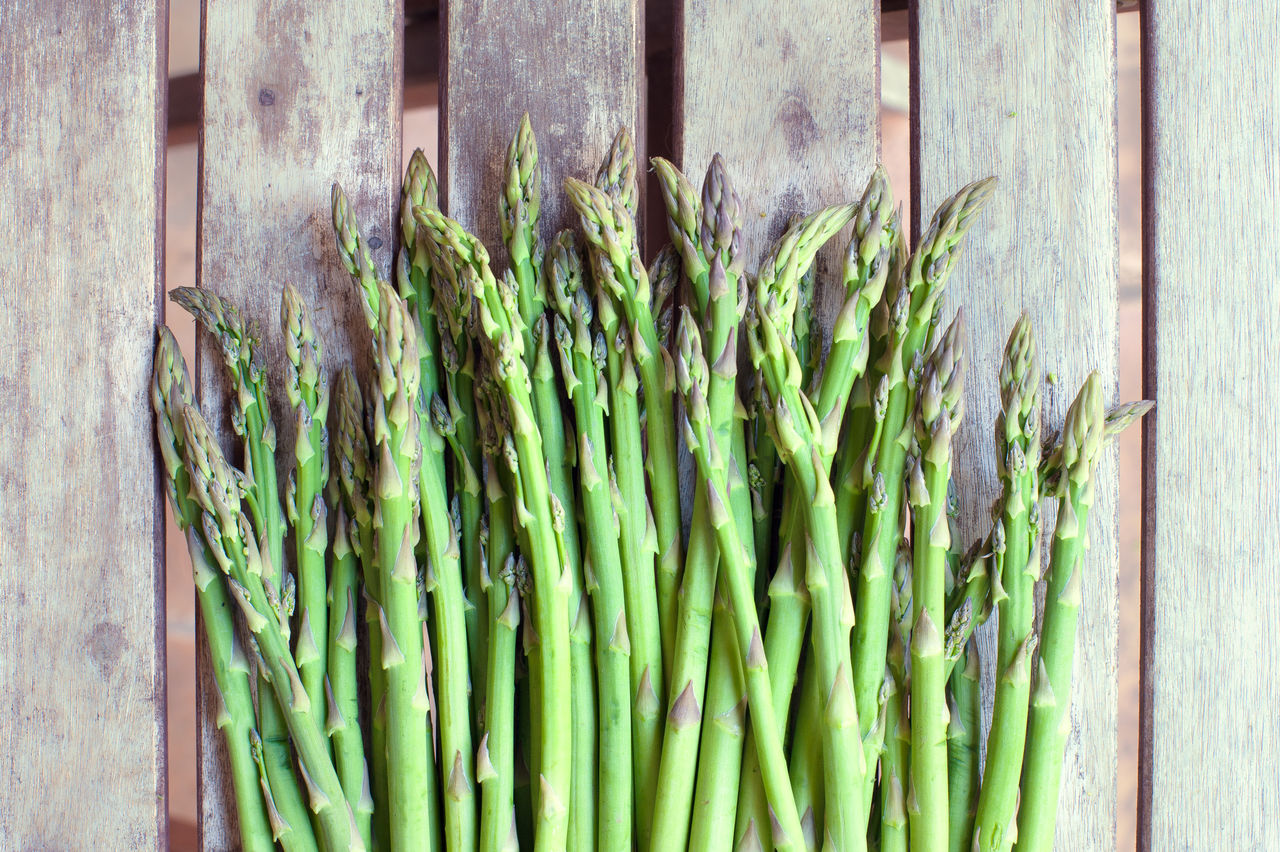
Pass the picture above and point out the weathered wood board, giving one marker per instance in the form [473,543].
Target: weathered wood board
[792,108]
[1211,575]
[1027,93]
[575,67]
[82,692]
[296,96]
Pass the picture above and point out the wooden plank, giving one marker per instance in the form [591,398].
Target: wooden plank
[1026,92]
[82,690]
[576,69]
[296,96]
[795,115]
[1211,576]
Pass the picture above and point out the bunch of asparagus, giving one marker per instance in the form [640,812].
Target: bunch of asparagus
[481,613]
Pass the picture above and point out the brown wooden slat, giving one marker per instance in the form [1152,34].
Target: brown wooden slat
[1211,574]
[82,690]
[296,96]
[576,69]
[1026,92]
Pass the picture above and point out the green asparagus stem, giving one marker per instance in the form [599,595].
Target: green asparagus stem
[354,253]
[895,761]
[611,236]
[638,542]
[219,490]
[171,392]
[1016,571]
[1047,727]
[251,420]
[1118,419]
[307,387]
[911,317]
[398,450]
[721,239]
[583,359]
[444,584]
[938,413]
[354,471]
[797,434]
[342,722]
[963,760]
[691,373]
[807,778]
[500,338]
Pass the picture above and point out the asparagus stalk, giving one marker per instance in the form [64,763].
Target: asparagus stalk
[354,480]
[1047,727]
[398,450]
[797,433]
[1016,570]
[913,308]
[498,326]
[895,761]
[307,387]
[444,584]
[611,235]
[1118,419]
[963,760]
[937,416]
[583,358]
[691,373]
[251,420]
[721,239]
[170,393]
[218,489]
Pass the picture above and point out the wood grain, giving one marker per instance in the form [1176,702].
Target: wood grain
[575,67]
[82,694]
[297,95]
[792,108]
[1027,93]
[1211,574]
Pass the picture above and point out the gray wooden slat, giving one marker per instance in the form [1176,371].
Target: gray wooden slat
[1211,577]
[793,109]
[1026,92]
[576,68]
[296,96]
[82,693]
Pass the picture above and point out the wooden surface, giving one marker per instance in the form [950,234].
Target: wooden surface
[296,96]
[1027,93]
[576,68]
[1211,652]
[82,760]
[792,108]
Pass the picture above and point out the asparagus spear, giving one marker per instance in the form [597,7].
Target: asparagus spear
[219,491]
[307,387]
[498,326]
[797,434]
[398,450]
[1016,570]
[721,241]
[582,360]
[913,308]
[611,235]
[1047,728]
[963,760]
[170,393]
[251,420]
[691,374]
[937,416]
[895,762]
[354,480]
[342,721]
